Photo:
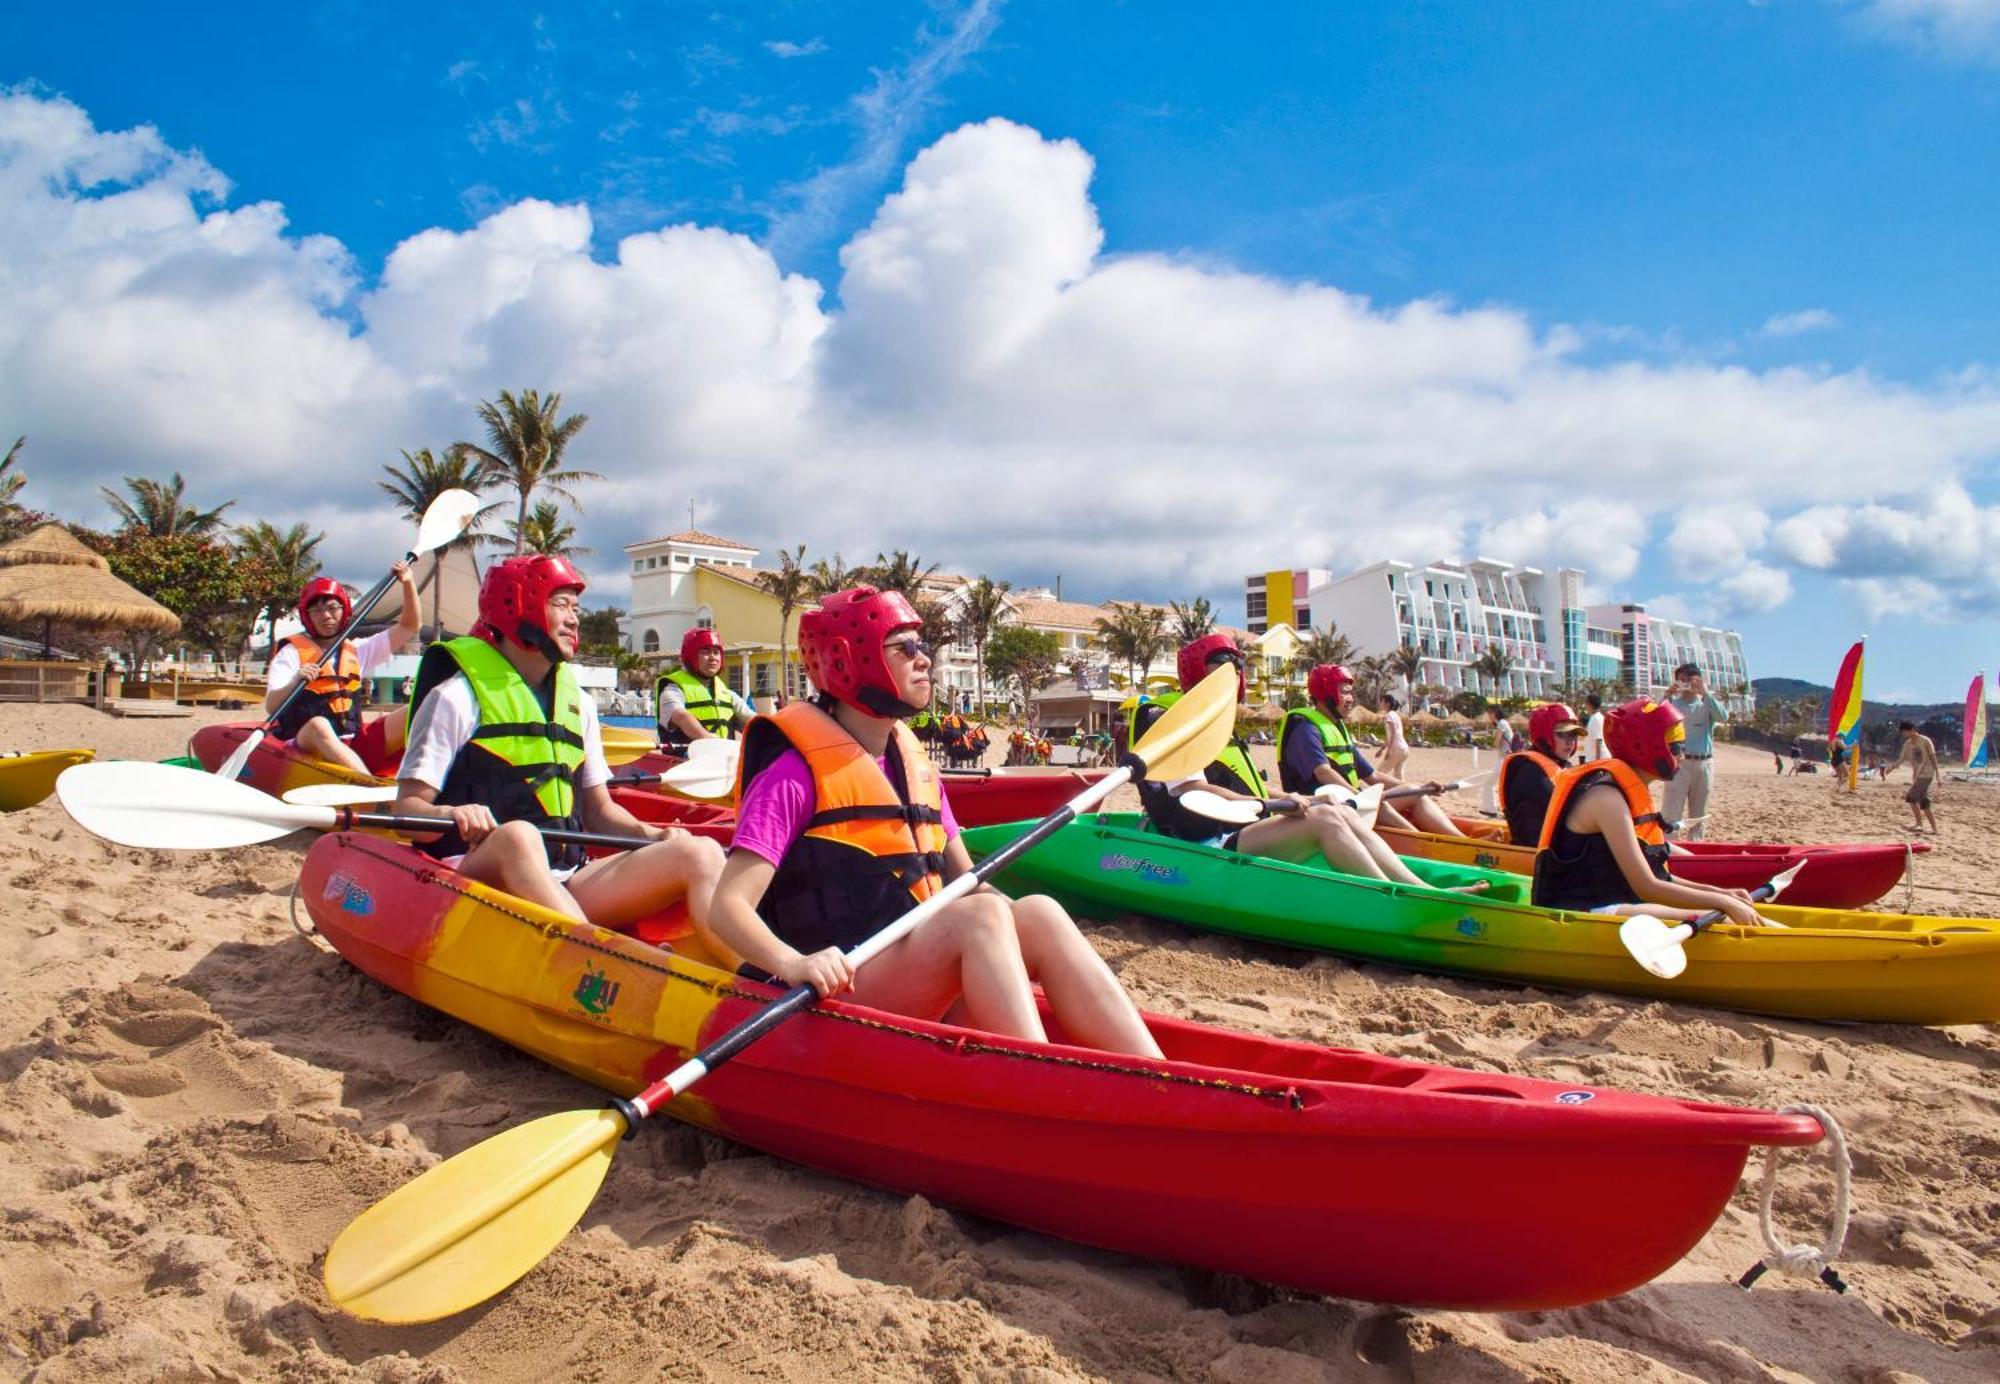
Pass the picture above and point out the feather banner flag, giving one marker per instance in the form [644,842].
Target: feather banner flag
[1975,723]
[1843,709]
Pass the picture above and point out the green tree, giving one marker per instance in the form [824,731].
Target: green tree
[161,510]
[546,532]
[1494,664]
[829,577]
[418,482]
[897,571]
[598,629]
[1134,635]
[210,586]
[526,439]
[1317,646]
[11,480]
[980,612]
[791,586]
[285,561]
[1027,659]
[1192,621]
[1407,662]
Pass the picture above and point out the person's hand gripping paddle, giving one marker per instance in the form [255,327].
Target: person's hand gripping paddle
[444,521]
[1656,944]
[1367,802]
[475,1223]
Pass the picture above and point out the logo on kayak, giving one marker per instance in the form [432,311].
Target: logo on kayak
[595,992]
[352,897]
[1574,1097]
[1486,860]
[1469,926]
[1145,869]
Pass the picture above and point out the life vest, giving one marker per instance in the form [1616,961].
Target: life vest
[522,760]
[333,697]
[874,846]
[1578,871]
[1334,736]
[1524,802]
[707,700]
[1231,769]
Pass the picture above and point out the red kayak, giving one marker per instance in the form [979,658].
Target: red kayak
[987,797]
[278,766]
[1321,1169]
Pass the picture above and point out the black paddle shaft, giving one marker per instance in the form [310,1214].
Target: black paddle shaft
[1715,915]
[393,821]
[367,603]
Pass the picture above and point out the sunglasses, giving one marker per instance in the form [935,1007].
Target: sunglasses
[910,647]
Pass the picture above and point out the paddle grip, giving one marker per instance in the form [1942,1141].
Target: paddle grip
[1715,915]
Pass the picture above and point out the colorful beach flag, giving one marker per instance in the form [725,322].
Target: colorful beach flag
[1975,723]
[1843,710]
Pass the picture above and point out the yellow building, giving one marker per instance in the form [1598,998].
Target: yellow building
[694,580]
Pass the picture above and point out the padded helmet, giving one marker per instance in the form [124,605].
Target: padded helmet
[319,588]
[1192,664]
[1324,682]
[694,641]
[1547,720]
[1645,735]
[841,643]
[514,600]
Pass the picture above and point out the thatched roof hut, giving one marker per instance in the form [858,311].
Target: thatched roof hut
[49,575]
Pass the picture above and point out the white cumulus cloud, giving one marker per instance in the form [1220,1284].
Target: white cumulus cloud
[1794,323]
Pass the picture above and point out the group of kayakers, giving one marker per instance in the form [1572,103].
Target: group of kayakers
[842,824]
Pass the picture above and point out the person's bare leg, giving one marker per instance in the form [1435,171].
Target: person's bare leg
[513,860]
[1086,998]
[622,889]
[966,959]
[317,739]
[1428,816]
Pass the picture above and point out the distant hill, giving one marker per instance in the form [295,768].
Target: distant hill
[1872,712]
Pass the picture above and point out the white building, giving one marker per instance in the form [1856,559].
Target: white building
[1653,646]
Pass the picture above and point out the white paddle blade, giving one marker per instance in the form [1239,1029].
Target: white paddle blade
[232,768]
[1654,945]
[342,794]
[1234,812]
[1782,881]
[713,748]
[448,517]
[164,807]
[701,778]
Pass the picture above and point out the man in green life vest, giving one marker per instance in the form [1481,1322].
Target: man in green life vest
[503,741]
[1315,746]
[693,702]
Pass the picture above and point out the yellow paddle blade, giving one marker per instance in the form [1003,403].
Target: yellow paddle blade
[473,1224]
[622,744]
[1194,729]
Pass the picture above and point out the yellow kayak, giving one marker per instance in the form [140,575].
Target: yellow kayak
[25,779]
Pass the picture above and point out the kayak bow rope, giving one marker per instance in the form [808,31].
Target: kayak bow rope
[475,1223]
[1657,946]
[448,517]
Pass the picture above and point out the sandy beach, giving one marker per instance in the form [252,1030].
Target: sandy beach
[197,1098]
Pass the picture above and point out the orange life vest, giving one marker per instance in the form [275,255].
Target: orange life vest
[1646,821]
[330,695]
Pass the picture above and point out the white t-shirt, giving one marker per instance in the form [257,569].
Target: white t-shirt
[1593,738]
[374,651]
[444,724]
[1392,731]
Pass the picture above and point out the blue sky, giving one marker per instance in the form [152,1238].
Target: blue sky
[1696,296]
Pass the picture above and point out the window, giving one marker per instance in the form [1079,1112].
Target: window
[638,564]
[650,643]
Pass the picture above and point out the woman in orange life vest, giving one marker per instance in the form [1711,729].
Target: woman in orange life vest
[1527,777]
[326,717]
[1603,846]
[1331,830]
[503,740]
[842,827]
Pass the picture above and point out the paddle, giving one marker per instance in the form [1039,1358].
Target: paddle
[706,773]
[622,744]
[1243,811]
[445,519]
[475,1223]
[1657,946]
[160,807]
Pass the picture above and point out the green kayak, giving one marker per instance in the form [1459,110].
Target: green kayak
[1824,964]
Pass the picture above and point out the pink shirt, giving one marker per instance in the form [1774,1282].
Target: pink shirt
[779,802]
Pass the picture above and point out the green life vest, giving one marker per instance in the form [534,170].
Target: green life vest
[707,700]
[1333,735]
[1235,756]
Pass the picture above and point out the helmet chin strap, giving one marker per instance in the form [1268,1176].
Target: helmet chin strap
[535,637]
[879,703]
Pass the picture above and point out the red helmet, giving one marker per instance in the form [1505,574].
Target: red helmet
[841,643]
[318,589]
[514,599]
[1193,662]
[1324,682]
[1547,720]
[1645,735]
[694,641]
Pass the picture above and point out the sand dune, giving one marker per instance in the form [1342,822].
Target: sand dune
[197,1097]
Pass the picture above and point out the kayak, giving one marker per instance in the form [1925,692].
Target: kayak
[26,777]
[1320,1169]
[1835,876]
[713,820]
[1824,964]
[1013,795]
[278,766]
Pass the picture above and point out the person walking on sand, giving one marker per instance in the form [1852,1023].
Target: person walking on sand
[1921,755]
[1593,731]
[1503,745]
[1686,796]
[1395,749]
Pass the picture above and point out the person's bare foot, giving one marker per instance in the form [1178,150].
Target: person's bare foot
[1478,886]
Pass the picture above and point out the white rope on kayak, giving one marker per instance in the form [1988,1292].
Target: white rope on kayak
[1909,878]
[1804,1261]
[305,929]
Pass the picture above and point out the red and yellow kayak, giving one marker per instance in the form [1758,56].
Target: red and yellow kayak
[1321,1169]
[1835,876]
[278,766]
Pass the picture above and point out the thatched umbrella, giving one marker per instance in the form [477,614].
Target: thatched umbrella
[48,575]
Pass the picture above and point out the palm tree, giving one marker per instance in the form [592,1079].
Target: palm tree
[1317,646]
[1494,664]
[791,585]
[900,571]
[419,481]
[1193,620]
[979,614]
[285,561]
[526,453]
[1407,662]
[1135,635]
[829,577]
[545,532]
[160,511]
[11,480]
